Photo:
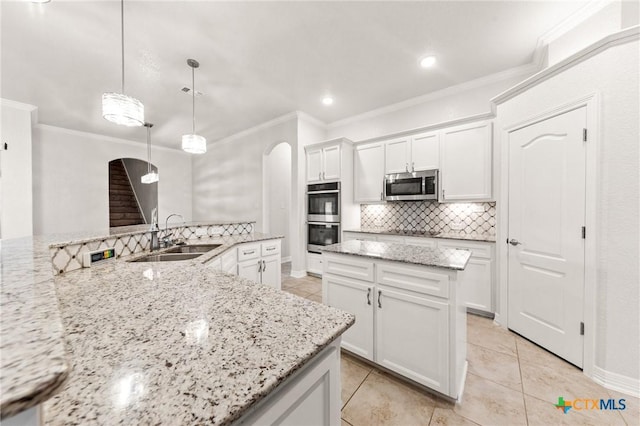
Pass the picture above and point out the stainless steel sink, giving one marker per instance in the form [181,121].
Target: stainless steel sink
[167,257]
[193,248]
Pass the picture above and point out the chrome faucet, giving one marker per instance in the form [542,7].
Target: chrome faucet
[166,240]
[155,243]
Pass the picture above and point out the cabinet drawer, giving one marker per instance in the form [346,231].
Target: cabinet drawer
[248,251]
[483,250]
[314,263]
[347,266]
[421,241]
[271,247]
[412,278]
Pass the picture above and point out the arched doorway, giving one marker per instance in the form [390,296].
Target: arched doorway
[131,202]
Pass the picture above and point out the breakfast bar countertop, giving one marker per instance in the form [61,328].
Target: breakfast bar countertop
[440,258]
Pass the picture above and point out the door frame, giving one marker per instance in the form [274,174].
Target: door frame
[593,149]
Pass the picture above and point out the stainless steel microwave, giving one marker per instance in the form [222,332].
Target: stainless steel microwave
[411,186]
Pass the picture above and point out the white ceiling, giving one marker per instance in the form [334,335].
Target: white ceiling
[259,60]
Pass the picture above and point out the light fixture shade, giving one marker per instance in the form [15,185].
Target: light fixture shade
[194,144]
[150,177]
[122,109]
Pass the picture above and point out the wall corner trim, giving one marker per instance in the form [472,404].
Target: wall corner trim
[17,105]
[616,382]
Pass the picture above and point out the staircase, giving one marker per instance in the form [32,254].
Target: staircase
[123,207]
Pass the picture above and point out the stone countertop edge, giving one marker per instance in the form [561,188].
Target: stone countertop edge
[453,259]
[79,238]
[34,362]
[488,238]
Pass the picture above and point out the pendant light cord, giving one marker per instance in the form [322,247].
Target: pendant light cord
[122,39]
[148,149]
[193,92]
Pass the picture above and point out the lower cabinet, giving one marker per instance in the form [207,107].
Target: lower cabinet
[406,345]
[356,297]
[260,262]
[409,318]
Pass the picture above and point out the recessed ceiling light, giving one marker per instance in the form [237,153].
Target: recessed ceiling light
[427,61]
[327,100]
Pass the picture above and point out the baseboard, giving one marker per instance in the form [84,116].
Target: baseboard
[285,259]
[298,274]
[497,319]
[616,382]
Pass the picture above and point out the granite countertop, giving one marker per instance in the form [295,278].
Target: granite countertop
[490,238]
[168,342]
[440,258]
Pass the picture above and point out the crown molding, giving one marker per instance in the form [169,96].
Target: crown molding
[96,136]
[522,70]
[18,105]
[267,124]
[303,116]
[574,20]
[627,35]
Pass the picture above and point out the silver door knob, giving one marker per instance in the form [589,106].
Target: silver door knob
[514,242]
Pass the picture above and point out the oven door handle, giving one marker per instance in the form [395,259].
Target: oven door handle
[331,191]
[331,224]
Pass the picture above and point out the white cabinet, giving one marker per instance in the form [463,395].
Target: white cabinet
[477,277]
[414,153]
[409,318]
[356,297]
[323,163]
[368,172]
[412,337]
[397,154]
[314,263]
[260,262]
[466,163]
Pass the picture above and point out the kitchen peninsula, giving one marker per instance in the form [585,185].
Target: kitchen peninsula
[161,342]
[409,302]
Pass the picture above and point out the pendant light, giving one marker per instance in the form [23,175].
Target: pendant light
[193,143]
[151,176]
[118,107]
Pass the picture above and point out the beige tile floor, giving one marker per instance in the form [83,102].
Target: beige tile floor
[511,381]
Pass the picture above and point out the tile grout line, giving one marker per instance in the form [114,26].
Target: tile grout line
[355,391]
[524,400]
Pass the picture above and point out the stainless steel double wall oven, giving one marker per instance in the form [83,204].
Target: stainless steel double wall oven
[323,215]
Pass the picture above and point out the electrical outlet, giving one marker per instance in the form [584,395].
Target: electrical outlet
[478,208]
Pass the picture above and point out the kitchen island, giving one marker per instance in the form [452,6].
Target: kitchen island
[176,343]
[409,306]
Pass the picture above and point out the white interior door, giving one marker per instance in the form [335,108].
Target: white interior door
[546,216]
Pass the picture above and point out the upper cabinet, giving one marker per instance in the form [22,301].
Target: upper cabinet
[465,170]
[368,173]
[413,153]
[323,163]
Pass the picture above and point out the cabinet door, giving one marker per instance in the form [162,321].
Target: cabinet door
[357,298]
[249,270]
[412,337]
[271,271]
[368,173]
[314,165]
[466,163]
[331,158]
[425,152]
[476,284]
[397,156]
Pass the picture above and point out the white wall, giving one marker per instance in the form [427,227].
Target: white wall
[277,194]
[455,102]
[16,199]
[227,180]
[71,179]
[614,75]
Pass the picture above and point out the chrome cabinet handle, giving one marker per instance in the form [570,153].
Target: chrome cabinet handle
[264,266]
[270,248]
[443,194]
[259,266]
[249,252]
[381,197]
[379,299]
[514,242]
[369,296]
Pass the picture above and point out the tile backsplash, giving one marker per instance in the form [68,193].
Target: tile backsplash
[465,218]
